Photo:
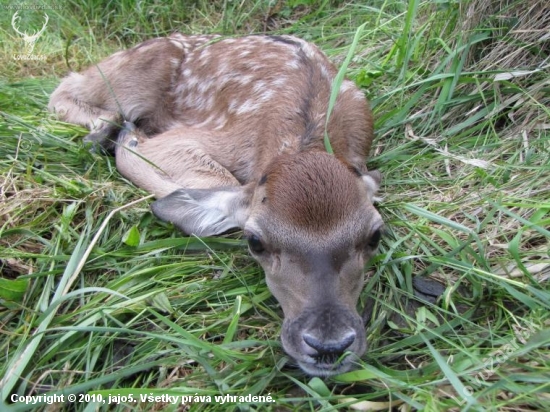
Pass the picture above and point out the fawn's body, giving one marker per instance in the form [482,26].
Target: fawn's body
[230,135]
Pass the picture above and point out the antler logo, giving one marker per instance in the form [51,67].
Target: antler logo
[29,39]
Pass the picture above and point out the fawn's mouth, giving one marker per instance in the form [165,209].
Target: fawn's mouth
[326,365]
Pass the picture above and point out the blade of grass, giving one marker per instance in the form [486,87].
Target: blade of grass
[337,83]
[78,258]
[461,390]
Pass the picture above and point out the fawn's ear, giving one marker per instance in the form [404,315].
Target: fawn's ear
[204,212]
[372,181]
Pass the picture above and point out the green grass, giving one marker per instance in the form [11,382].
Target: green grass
[99,297]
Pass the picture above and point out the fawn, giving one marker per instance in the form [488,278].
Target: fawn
[228,133]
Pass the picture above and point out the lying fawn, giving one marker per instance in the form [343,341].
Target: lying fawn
[228,133]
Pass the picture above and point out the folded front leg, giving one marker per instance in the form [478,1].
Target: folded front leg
[170,161]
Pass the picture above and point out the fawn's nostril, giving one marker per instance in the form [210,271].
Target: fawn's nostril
[336,347]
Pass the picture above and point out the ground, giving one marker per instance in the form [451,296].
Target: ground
[99,298]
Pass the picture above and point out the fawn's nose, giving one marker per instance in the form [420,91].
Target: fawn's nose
[334,347]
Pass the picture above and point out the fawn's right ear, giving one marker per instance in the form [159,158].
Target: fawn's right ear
[205,212]
[372,181]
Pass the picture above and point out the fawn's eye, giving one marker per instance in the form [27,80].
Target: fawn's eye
[374,239]
[255,244]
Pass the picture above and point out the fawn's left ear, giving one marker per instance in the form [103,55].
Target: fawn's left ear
[204,212]
[372,181]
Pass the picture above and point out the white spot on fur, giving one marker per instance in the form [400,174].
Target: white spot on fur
[245,53]
[346,85]
[205,54]
[259,87]
[293,64]
[223,69]
[284,148]
[190,100]
[142,49]
[174,62]
[232,106]
[309,51]
[279,82]
[248,106]
[194,82]
[207,122]
[221,121]
[324,72]
[202,104]
[204,86]
[271,56]
[244,80]
[265,96]
[177,43]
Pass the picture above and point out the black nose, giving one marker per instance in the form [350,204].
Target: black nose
[330,346]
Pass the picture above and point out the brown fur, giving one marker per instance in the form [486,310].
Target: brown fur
[292,179]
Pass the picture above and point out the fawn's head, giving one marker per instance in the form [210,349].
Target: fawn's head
[311,225]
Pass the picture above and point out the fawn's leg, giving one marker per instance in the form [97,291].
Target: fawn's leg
[133,85]
[170,161]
